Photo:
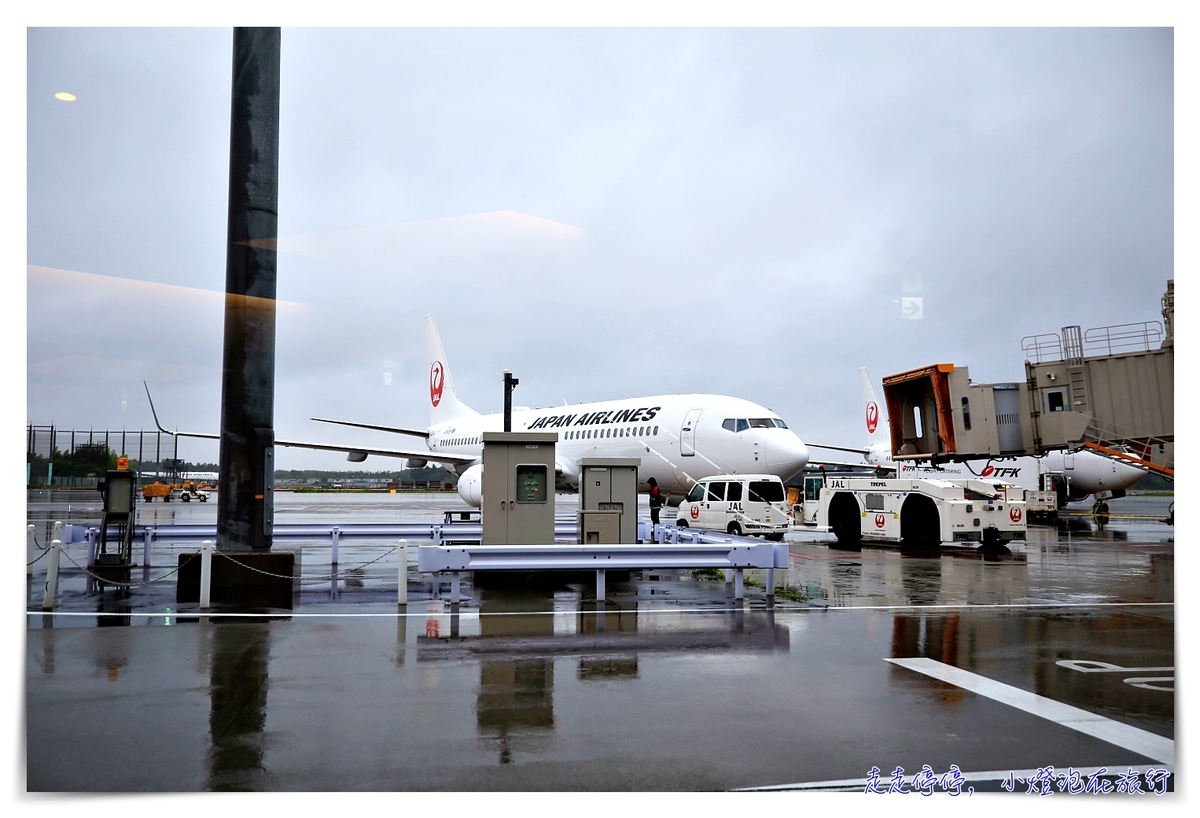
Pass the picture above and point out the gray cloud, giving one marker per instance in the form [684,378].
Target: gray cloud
[741,211]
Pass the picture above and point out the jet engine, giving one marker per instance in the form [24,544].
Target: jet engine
[470,485]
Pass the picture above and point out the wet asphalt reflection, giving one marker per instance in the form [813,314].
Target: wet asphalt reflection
[670,685]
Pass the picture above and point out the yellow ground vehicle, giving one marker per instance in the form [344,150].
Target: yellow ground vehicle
[185,492]
[156,489]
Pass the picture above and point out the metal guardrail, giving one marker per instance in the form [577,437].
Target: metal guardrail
[663,547]
[1041,348]
[297,532]
[1143,336]
[735,556]
[436,532]
[437,559]
[1140,337]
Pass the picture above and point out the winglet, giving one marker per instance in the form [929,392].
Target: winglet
[152,412]
[176,433]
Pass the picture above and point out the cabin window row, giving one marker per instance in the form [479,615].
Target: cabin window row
[625,431]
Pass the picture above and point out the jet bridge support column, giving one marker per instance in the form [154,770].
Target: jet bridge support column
[244,502]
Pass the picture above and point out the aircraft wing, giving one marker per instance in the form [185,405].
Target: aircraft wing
[833,464]
[837,448]
[329,447]
[363,450]
[399,430]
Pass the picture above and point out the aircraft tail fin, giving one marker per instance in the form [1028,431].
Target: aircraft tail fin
[443,399]
[877,429]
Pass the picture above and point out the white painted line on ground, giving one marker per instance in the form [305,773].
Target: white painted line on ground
[984,606]
[853,784]
[1140,741]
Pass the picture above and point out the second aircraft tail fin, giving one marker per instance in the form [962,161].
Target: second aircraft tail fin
[876,421]
[443,399]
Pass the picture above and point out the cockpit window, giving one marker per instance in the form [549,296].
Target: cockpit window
[761,423]
[779,424]
[743,424]
[730,424]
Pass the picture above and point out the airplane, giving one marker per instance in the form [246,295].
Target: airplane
[680,439]
[1087,473]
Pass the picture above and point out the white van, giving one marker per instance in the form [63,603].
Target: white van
[738,504]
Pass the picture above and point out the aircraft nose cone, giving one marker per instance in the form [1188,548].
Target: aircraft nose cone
[1128,474]
[786,455]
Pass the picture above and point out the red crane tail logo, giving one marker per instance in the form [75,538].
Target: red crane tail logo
[437,380]
[872,417]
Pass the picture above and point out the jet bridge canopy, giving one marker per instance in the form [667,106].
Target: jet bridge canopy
[920,413]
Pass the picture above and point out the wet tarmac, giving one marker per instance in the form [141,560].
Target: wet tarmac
[869,659]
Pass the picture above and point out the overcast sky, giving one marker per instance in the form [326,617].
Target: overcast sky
[606,212]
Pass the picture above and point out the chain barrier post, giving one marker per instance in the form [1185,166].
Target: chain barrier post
[58,531]
[402,590]
[30,547]
[52,576]
[205,574]
[148,536]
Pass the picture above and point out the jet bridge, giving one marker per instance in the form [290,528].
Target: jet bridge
[1108,389]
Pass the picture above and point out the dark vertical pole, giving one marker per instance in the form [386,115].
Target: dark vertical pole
[509,383]
[244,502]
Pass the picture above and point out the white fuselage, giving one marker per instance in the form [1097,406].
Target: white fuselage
[1089,473]
[679,438]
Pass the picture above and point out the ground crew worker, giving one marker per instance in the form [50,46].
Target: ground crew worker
[655,500]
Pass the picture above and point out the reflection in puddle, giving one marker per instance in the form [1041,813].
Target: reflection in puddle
[238,695]
[515,698]
[522,635]
[1135,646]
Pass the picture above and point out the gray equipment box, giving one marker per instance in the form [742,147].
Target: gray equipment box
[600,527]
[518,488]
[610,484]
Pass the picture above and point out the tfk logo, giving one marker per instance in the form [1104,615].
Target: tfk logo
[872,417]
[1005,471]
[437,380]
